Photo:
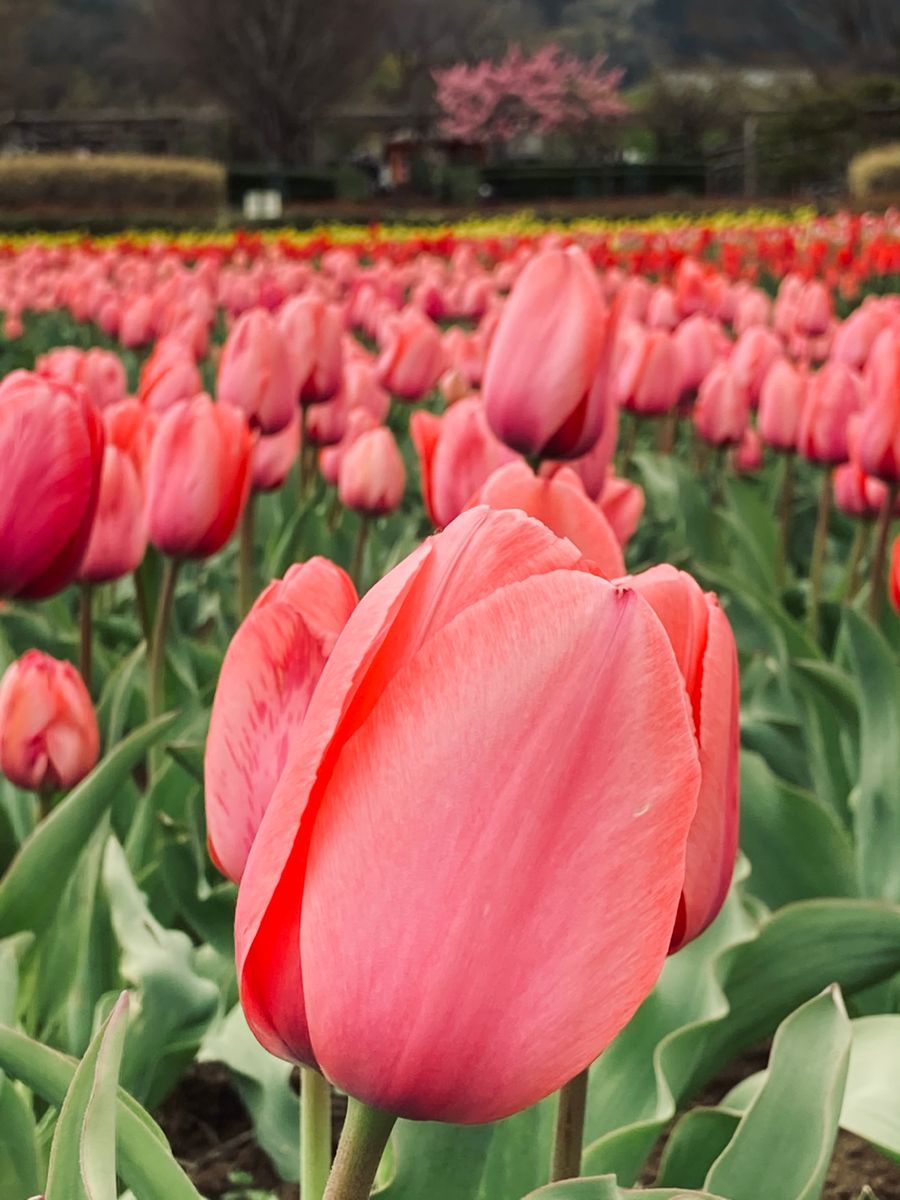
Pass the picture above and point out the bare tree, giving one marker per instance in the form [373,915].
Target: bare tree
[275,65]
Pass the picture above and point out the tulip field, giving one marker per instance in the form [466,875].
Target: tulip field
[450,712]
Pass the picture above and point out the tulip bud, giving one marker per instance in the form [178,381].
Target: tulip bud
[118,538]
[649,380]
[722,408]
[781,401]
[51,445]
[275,454]
[834,396]
[48,730]
[412,360]
[198,477]
[545,385]
[372,475]
[170,374]
[255,373]
[313,334]
[622,503]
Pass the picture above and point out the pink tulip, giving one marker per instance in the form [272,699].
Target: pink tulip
[699,342]
[562,505]
[704,647]
[372,476]
[255,373]
[649,381]
[51,447]
[815,310]
[473,774]
[198,477]
[48,731]
[118,538]
[274,455]
[545,384]
[412,360]
[622,503]
[781,402]
[267,680]
[313,333]
[168,376]
[457,453]
[723,407]
[752,358]
[662,311]
[834,396]
[359,421]
[749,455]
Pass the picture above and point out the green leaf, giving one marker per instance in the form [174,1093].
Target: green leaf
[264,1085]
[442,1162]
[145,1162]
[797,848]
[606,1188]
[112,709]
[29,891]
[876,811]
[784,1142]
[694,1145]
[19,1158]
[83,1156]
[718,997]
[189,756]
[870,1107]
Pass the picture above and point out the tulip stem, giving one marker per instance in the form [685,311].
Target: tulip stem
[667,434]
[858,552]
[787,503]
[629,444]
[156,696]
[143,608]
[886,516]
[365,1135]
[315,1133]
[818,554]
[84,659]
[569,1139]
[359,553]
[245,558]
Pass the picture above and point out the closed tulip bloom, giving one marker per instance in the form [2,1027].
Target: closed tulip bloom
[545,385]
[649,381]
[749,456]
[894,577]
[103,377]
[170,374]
[466,752]
[118,538]
[704,646]
[48,730]
[255,372]
[359,421]
[372,476]
[136,321]
[592,468]
[313,333]
[130,426]
[270,670]
[457,453]
[834,396]
[412,360]
[51,447]
[856,493]
[723,407]
[562,505]
[699,341]
[622,503]
[781,401]
[662,311]
[274,455]
[198,477]
[753,310]
[815,309]
[855,337]
[752,358]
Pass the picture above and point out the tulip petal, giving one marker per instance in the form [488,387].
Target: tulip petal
[430,887]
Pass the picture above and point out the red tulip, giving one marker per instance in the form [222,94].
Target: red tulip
[457,453]
[131,427]
[704,647]
[51,445]
[562,504]
[267,680]
[412,360]
[545,386]
[198,477]
[255,372]
[478,775]
[894,579]
[48,730]
[372,475]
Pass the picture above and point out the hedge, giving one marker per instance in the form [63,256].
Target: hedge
[36,186]
[875,174]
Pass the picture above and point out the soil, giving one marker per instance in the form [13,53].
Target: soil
[212,1137]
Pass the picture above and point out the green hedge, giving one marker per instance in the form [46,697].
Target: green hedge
[43,186]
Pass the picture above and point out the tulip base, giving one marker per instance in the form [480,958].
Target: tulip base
[569,1138]
[365,1135]
[315,1133]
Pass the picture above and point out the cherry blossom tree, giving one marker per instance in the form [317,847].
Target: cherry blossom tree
[546,92]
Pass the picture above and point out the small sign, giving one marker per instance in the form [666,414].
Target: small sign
[263,204]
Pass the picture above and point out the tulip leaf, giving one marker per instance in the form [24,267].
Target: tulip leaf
[145,1162]
[443,1162]
[28,897]
[19,1156]
[189,756]
[694,1145]
[263,1083]
[83,1155]
[605,1188]
[876,811]
[784,1142]
[870,1104]
[716,998]
[115,701]
[797,848]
